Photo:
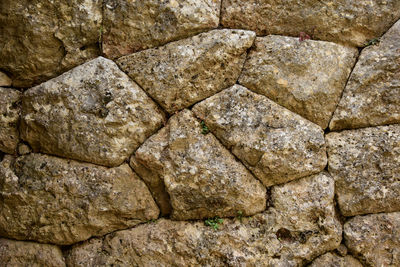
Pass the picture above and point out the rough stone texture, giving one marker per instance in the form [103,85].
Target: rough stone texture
[333,260]
[93,113]
[300,227]
[184,72]
[273,142]
[365,164]
[372,95]
[130,26]
[201,177]
[53,200]
[375,238]
[9,118]
[305,77]
[28,254]
[341,21]
[4,80]
[45,37]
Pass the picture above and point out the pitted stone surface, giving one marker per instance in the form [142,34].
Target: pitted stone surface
[365,164]
[341,21]
[375,238]
[276,144]
[201,177]
[273,238]
[42,38]
[93,113]
[333,260]
[9,119]
[20,253]
[184,72]
[306,77]
[59,201]
[372,95]
[130,26]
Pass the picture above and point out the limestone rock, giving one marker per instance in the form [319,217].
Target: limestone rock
[273,142]
[305,77]
[372,95]
[341,21]
[365,164]
[4,79]
[184,72]
[93,113]
[44,37]
[130,26]
[54,200]
[332,260]
[20,253]
[273,238]
[201,177]
[375,238]
[9,118]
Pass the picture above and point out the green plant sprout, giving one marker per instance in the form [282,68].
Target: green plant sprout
[240,215]
[214,222]
[204,128]
[374,41]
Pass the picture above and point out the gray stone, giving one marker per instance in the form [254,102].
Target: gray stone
[340,21]
[365,164]
[46,37]
[305,77]
[93,113]
[300,226]
[59,201]
[372,95]
[20,253]
[130,26]
[9,119]
[201,177]
[375,238]
[184,72]
[332,260]
[276,144]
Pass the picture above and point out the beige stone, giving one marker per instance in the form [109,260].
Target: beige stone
[4,79]
[305,77]
[93,113]
[375,238]
[20,253]
[44,37]
[333,260]
[341,21]
[184,72]
[59,201]
[201,177]
[276,144]
[365,164]
[9,118]
[131,26]
[372,95]
[300,225]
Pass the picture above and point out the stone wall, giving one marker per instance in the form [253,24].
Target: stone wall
[199,133]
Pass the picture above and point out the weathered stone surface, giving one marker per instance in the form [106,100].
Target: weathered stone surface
[305,77]
[4,79]
[42,38]
[372,95]
[9,118]
[273,142]
[201,177]
[342,21]
[54,200]
[375,238]
[184,72]
[20,253]
[130,26]
[93,113]
[365,164]
[333,260]
[300,227]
